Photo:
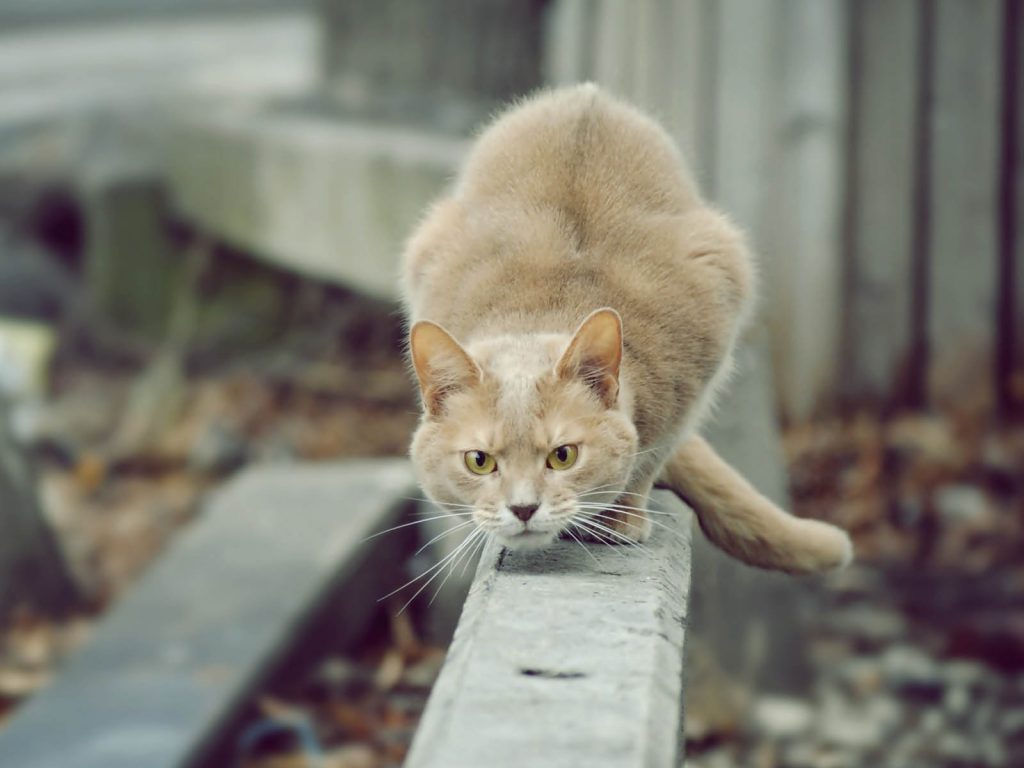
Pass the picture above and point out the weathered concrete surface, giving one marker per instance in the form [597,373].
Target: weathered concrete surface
[53,73]
[570,657]
[214,618]
[328,198]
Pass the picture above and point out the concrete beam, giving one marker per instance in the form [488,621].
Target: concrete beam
[329,198]
[566,657]
[278,560]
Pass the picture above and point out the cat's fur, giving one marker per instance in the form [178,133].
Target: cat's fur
[574,288]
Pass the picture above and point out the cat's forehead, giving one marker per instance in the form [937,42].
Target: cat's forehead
[519,406]
[533,354]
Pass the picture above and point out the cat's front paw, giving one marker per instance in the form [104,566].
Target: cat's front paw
[610,527]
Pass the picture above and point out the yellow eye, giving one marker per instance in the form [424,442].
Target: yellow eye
[563,457]
[480,463]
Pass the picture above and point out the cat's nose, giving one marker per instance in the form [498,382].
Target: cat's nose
[523,511]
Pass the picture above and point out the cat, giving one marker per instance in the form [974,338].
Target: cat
[573,305]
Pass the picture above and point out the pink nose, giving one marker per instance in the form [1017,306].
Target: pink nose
[523,511]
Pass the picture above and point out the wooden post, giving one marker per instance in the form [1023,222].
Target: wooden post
[32,571]
[1011,278]
[879,279]
[447,63]
[962,201]
[802,217]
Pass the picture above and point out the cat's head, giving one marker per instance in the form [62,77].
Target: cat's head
[523,430]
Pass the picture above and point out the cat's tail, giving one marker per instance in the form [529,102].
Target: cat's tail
[743,523]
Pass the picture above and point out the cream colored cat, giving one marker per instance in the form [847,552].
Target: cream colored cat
[573,305]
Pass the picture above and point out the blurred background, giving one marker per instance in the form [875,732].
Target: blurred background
[202,205]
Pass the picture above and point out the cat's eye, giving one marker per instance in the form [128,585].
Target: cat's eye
[563,457]
[480,463]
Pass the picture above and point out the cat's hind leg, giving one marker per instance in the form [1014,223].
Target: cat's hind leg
[743,523]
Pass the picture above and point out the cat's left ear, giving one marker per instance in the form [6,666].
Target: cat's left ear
[442,365]
[595,353]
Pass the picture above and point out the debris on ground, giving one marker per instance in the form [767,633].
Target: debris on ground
[918,648]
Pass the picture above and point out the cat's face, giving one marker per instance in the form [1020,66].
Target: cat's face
[525,431]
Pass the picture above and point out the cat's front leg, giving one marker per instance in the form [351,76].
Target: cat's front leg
[626,521]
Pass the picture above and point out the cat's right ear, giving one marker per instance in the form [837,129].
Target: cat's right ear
[595,353]
[442,365]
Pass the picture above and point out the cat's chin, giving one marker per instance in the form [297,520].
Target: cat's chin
[527,540]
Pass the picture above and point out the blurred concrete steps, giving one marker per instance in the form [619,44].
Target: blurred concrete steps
[276,568]
[328,197]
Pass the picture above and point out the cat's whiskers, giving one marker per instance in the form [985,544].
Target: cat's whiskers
[640,453]
[421,521]
[601,531]
[619,537]
[444,533]
[595,504]
[600,489]
[436,569]
[626,508]
[595,534]
[640,509]
[612,508]
[479,547]
[568,530]
[437,503]
[467,554]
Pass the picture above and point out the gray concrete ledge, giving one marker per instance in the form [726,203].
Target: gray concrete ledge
[275,554]
[567,657]
[328,198]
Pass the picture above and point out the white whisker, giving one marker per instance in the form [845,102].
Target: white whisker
[582,545]
[414,522]
[444,533]
[601,531]
[621,537]
[478,548]
[451,569]
[625,511]
[440,564]
[439,568]
[438,503]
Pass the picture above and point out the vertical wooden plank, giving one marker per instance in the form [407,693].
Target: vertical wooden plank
[743,65]
[886,40]
[962,201]
[646,88]
[667,72]
[803,237]
[1011,316]
[684,28]
[567,42]
[613,62]
[659,59]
